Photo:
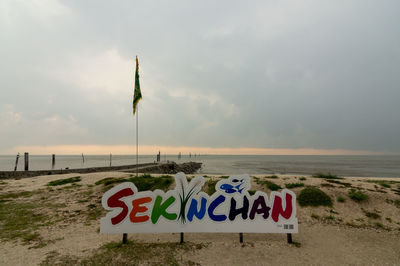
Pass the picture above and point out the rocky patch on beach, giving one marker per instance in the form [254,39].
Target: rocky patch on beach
[173,168]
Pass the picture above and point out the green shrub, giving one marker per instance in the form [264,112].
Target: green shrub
[341,199]
[64,181]
[326,176]
[313,196]
[211,186]
[293,185]
[357,195]
[272,176]
[302,178]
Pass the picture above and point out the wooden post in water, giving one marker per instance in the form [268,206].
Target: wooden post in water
[53,161]
[83,159]
[26,157]
[289,238]
[241,237]
[182,238]
[110,159]
[16,162]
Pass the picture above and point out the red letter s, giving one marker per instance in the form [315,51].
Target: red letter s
[114,202]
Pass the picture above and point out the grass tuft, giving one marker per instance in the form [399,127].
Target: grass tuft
[131,253]
[326,176]
[110,180]
[315,216]
[143,182]
[383,183]
[14,195]
[64,181]
[148,182]
[372,215]
[270,185]
[357,195]
[341,199]
[338,182]
[20,221]
[293,185]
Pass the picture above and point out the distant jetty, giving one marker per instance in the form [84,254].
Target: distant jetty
[159,168]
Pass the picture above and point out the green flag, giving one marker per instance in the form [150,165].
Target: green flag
[137,94]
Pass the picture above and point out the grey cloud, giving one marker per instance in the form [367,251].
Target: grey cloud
[315,75]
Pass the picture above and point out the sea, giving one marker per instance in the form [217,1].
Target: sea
[342,165]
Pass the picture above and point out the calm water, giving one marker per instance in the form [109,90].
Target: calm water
[379,166]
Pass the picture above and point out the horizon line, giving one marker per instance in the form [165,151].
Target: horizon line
[170,150]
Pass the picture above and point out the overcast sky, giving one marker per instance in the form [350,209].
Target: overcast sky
[224,74]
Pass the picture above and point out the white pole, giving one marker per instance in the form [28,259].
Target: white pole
[137,140]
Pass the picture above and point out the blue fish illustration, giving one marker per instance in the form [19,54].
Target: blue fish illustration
[228,188]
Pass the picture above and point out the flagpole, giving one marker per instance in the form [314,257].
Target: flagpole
[137,140]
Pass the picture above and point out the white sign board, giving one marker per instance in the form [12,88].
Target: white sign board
[187,209]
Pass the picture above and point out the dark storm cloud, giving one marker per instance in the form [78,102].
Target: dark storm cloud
[276,74]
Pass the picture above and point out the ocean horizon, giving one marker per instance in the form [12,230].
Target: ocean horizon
[342,165]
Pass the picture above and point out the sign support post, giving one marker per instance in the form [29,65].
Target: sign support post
[289,238]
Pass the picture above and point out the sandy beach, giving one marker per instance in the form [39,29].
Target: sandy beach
[63,227]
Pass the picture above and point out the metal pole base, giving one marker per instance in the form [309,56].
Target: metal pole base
[241,237]
[289,239]
[182,234]
[124,238]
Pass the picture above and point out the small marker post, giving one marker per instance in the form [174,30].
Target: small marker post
[26,157]
[53,161]
[16,162]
